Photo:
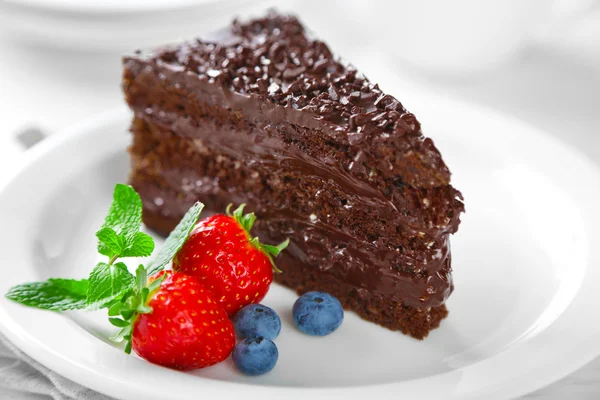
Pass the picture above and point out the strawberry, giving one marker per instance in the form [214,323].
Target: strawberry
[228,261]
[186,328]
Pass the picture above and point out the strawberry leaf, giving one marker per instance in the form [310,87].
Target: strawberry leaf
[126,331]
[247,221]
[176,239]
[156,284]
[270,251]
[141,277]
[127,337]
[106,283]
[115,309]
[134,303]
[54,294]
[275,250]
[118,322]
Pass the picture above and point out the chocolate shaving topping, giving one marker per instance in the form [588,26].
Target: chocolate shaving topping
[274,58]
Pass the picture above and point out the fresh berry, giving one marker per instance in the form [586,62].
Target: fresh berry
[257,320]
[228,261]
[255,356]
[186,329]
[317,313]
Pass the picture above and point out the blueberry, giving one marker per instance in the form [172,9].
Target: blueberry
[257,320]
[255,356]
[318,313]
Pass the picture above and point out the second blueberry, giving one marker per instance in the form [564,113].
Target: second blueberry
[318,313]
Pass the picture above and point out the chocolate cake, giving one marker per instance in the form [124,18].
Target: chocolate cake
[261,113]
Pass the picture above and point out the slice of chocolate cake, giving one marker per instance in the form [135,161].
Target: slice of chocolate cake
[260,113]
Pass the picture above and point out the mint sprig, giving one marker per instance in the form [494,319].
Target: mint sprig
[110,284]
[116,239]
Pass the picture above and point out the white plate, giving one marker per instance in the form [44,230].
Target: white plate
[522,315]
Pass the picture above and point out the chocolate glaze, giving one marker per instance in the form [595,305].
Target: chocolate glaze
[266,73]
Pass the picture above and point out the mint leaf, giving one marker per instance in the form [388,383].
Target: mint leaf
[110,243]
[120,235]
[73,286]
[176,239]
[107,282]
[140,245]
[55,294]
[115,246]
[125,213]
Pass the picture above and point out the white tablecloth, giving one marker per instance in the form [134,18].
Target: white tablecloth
[23,378]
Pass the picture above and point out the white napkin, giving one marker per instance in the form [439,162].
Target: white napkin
[22,378]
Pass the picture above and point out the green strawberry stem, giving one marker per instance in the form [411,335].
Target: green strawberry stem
[124,313]
[247,221]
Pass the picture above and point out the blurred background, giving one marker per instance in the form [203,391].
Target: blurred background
[536,60]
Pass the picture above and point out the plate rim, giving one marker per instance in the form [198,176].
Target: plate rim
[36,350]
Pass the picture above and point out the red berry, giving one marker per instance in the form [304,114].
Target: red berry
[187,328]
[220,252]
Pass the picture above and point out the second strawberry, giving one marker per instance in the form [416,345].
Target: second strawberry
[236,267]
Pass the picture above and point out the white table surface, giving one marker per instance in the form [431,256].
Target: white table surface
[554,87]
